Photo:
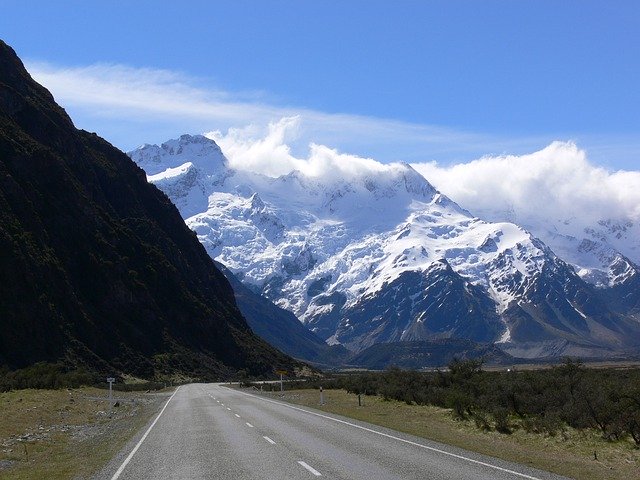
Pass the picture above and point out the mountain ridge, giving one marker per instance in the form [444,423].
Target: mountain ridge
[98,269]
[319,246]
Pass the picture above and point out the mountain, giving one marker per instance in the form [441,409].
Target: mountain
[605,253]
[97,267]
[281,328]
[427,354]
[376,254]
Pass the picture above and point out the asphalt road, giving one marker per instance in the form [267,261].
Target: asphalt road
[210,431]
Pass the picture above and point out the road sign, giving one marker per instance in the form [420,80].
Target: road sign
[281,373]
[110,380]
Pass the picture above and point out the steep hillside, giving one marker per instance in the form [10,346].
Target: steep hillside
[281,328]
[97,267]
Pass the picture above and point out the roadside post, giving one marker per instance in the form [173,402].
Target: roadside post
[281,373]
[110,380]
[321,396]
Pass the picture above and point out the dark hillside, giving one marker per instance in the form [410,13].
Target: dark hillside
[96,266]
[281,328]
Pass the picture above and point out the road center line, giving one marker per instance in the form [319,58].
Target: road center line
[433,449]
[228,409]
[269,440]
[135,449]
[311,469]
[249,425]
[237,415]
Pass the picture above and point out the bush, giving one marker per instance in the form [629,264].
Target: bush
[45,375]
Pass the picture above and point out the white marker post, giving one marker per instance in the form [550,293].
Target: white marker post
[321,397]
[110,380]
[281,373]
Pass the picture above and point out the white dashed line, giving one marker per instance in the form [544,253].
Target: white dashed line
[269,440]
[249,425]
[311,469]
[228,409]
[237,415]
[443,452]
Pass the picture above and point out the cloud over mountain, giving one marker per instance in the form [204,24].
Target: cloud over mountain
[130,106]
[556,182]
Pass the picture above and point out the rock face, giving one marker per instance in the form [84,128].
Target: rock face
[379,255]
[97,267]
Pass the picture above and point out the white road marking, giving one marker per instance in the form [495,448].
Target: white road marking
[311,469]
[269,440]
[135,449]
[237,415]
[433,449]
[228,409]
[249,425]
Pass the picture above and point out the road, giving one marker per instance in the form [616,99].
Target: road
[209,431]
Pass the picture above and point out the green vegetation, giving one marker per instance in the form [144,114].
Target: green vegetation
[543,401]
[44,375]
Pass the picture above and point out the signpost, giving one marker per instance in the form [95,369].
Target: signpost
[281,373]
[111,380]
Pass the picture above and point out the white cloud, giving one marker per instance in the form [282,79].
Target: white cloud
[536,190]
[118,89]
[557,182]
[131,106]
[267,152]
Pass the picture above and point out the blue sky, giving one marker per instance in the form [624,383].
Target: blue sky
[397,80]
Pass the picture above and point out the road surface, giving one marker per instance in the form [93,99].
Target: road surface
[209,431]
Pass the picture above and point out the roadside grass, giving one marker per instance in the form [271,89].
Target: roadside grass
[67,434]
[569,453]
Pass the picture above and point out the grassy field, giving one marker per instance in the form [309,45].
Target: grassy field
[570,453]
[67,434]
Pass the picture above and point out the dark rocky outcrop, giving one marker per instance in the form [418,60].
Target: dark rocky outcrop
[97,268]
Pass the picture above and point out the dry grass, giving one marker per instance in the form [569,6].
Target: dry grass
[570,453]
[64,434]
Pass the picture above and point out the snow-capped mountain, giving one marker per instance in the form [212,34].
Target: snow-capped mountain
[595,251]
[379,255]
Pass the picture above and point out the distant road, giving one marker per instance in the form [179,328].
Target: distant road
[208,431]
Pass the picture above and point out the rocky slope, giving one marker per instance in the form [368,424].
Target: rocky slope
[97,266]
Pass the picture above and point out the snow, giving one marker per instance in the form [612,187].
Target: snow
[170,173]
[359,232]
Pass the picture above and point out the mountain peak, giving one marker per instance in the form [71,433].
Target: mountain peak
[202,152]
